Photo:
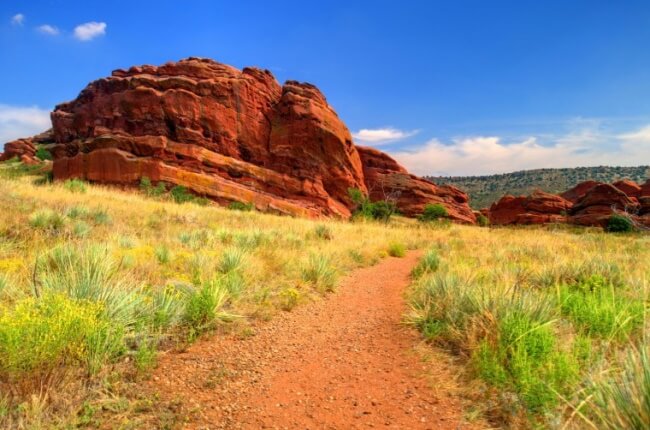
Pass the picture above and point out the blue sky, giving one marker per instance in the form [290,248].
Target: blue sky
[447,87]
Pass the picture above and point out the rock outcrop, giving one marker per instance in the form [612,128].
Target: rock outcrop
[589,203]
[386,179]
[538,208]
[229,135]
[25,149]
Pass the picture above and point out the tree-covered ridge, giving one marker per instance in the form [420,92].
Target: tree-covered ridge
[483,190]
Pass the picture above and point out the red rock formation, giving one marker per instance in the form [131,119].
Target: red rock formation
[538,208]
[645,189]
[597,206]
[576,193]
[230,135]
[630,188]
[25,149]
[221,132]
[385,178]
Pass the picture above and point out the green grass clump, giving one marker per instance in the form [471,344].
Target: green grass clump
[43,154]
[47,219]
[241,206]
[205,307]
[598,309]
[81,229]
[75,186]
[323,232]
[397,249]
[320,272]
[163,254]
[622,400]
[429,263]
[150,190]
[231,260]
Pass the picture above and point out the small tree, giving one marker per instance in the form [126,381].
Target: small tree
[619,224]
[433,212]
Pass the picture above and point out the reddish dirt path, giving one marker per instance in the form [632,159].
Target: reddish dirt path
[345,362]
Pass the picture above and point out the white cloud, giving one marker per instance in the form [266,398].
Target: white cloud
[379,136]
[89,30]
[485,155]
[18,19]
[20,121]
[48,29]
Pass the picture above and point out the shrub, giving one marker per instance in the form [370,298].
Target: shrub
[433,212]
[380,210]
[148,189]
[40,334]
[180,194]
[47,219]
[383,210]
[319,272]
[241,206]
[289,299]
[482,220]
[619,224]
[75,186]
[396,249]
[323,232]
[43,154]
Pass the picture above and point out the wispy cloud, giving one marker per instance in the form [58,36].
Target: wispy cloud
[483,155]
[379,136]
[22,121]
[89,30]
[48,29]
[18,19]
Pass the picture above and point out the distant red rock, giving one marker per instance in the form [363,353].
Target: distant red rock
[645,189]
[230,135]
[538,208]
[576,193]
[385,178]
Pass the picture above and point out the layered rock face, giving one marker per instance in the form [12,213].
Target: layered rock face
[589,203]
[230,135]
[386,179]
[538,208]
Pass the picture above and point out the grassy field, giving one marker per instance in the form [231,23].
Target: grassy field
[550,325]
[95,281]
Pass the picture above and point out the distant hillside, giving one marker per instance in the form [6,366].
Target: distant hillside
[483,190]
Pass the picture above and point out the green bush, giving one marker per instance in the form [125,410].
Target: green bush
[43,154]
[482,220]
[241,206]
[619,224]
[75,186]
[148,189]
[433,212]
[380,210]
[180,194]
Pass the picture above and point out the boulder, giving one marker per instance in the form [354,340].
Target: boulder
[538,208]
[385,179]
[599,204]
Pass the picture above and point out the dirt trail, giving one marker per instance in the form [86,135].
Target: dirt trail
[344,362]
